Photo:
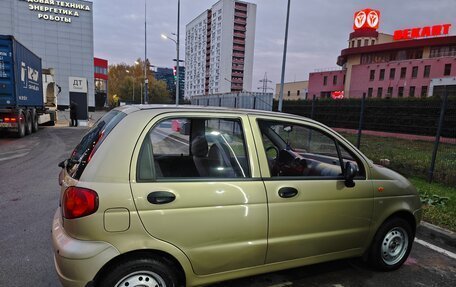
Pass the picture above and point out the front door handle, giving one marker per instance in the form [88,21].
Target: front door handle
[288,192]
[161,197]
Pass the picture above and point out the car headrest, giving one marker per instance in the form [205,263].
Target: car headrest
[199,146]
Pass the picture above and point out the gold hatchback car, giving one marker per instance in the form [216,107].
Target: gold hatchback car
[187,196]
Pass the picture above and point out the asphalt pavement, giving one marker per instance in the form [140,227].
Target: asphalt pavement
[29,195]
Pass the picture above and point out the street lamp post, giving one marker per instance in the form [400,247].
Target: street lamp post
[282,79]
[177,63]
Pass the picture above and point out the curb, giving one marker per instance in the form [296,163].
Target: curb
[437,234]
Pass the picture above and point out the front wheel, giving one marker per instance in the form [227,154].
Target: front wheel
[392,244]
[145,272]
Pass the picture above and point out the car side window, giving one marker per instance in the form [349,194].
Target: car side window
[296,150]
[194,148]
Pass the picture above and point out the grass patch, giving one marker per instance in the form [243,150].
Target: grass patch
[413,159]
[444,216]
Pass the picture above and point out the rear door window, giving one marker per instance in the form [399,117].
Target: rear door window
[84,151]
[194,148]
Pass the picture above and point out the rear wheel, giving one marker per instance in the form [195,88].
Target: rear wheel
[28,123]
[391,245]
[34,121]
[147,272]
[20,124]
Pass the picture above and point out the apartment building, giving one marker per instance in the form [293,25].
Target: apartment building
[219,46]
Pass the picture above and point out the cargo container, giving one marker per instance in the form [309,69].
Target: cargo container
[23,105]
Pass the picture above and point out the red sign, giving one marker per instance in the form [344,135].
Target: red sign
[366,18]
[337,95]
[428,31]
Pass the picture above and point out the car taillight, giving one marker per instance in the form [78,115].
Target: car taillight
[79,202]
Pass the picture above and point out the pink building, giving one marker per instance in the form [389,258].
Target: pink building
[377,65]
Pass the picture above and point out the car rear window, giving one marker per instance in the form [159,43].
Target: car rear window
[84,151]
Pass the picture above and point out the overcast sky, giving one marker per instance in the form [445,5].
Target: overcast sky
[319,30]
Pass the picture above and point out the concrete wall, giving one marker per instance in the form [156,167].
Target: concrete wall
[66,47]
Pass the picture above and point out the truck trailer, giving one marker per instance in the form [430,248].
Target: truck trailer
[23,105]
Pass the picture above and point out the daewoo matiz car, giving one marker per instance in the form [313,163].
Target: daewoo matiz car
[187,196]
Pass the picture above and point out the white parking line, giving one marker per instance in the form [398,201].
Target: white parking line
[14,156]
[436,248]
[281,284]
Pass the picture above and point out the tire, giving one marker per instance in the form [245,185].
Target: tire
[34,121]
[392,244]
[140,272]
[21,125]
[28,123]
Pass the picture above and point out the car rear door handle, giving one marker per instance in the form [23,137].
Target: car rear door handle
[287,192]
[161,197]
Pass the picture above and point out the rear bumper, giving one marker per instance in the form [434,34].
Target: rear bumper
[77,261]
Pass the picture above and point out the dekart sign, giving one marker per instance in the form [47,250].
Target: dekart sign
[367,18]
[423,32]
[57,11]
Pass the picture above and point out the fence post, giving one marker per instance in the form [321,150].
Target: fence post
[361,121]
[439,131]
[312,111]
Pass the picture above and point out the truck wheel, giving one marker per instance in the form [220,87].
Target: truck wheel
[20,125]
[34,121]
[28,123]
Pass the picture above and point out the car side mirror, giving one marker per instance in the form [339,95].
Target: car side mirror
[350,172]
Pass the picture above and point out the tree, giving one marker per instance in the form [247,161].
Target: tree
[123,77]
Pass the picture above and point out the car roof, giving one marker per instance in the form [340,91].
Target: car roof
[168,108]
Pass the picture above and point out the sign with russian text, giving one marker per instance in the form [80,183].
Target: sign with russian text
[423,32]
[367,18]
[57,11]
[78,85]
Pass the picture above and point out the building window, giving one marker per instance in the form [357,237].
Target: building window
[415,72]
[382,74]
[392,73]
[298,92]
[372,75]
[369,92]
[353,44]
[403,72]
[288,93]
[372,42]
[366,42]
[412,91]
[334,80]
[400,92]
[424,90]
[325,80]
[389,93]
[358,43]
[427,71]
[379,92]
[447,71]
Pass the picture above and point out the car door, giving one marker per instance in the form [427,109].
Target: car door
[311,210]
[198,187]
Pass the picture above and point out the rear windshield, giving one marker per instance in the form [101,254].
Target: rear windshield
[91,141]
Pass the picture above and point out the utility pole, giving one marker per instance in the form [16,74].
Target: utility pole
[282,79]
[146,80]
[264,86]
